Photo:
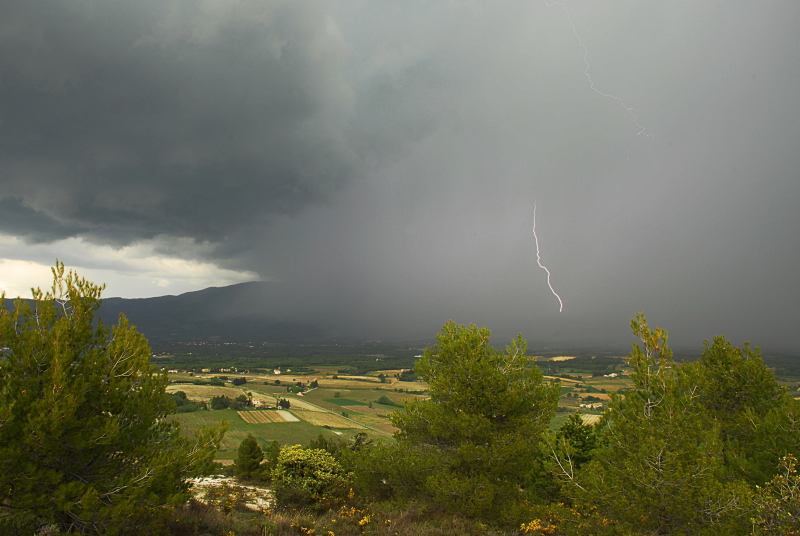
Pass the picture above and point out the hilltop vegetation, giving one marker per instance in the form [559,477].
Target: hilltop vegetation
[84,443]
[89,443]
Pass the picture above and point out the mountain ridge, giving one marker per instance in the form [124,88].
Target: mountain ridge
[250,311]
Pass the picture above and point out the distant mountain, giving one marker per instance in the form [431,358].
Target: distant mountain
[236,313]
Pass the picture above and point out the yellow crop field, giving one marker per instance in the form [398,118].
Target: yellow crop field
[318,418]
[341,383]
[411,386]
[589,420]
[297,402]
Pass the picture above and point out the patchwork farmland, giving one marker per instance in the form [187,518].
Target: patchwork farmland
[344,406]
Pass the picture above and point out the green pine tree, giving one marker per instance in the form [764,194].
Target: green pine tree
[248,457]
[85,444]
[659,468]
[471,446]
[759,419]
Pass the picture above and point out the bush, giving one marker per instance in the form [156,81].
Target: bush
[220,402]
[385,400]
[407,376]
[309,477]
[185,405]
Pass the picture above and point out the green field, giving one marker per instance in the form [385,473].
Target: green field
[352,394]
[313,406]
[344,402]
[285,432]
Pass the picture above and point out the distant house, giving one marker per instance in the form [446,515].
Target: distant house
[612,375]
[277,372]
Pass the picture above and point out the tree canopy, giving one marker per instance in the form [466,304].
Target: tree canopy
[471,446]
[248,457]
[84,442]
[682,451]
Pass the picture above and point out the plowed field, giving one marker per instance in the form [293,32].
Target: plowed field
[255,417]
[589,420]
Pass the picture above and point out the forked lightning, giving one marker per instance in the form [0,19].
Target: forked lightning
[539,261]
[589,76]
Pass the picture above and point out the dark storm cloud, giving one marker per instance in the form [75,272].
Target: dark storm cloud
[32,225]
[381,159]
[694,226]
[126,120]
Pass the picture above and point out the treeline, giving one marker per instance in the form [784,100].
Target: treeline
[184,405]
[598,365]
[264,357]
[707,447]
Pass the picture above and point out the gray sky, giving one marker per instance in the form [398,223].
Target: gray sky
[382,159]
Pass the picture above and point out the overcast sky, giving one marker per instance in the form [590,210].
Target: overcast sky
[383,159]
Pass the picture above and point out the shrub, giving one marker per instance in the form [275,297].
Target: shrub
[385,400]
[308,477]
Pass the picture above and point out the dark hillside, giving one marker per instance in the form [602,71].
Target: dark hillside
[237,313]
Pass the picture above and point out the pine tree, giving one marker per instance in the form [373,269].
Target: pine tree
[248,457]
[759,419]
[477,434]
[660,466]
[84,440]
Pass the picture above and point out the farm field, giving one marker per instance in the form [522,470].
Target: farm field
[344,402]
[562,358]
[376,410]
[319,410]
[323,418]
[203,393]
[376,422]
[254,417]
[590,419]
[290,433]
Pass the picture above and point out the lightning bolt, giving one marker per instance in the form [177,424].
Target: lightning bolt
[589,76]
[539,261]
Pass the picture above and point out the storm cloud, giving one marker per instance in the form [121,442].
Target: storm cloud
[382,159]
[127,120]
